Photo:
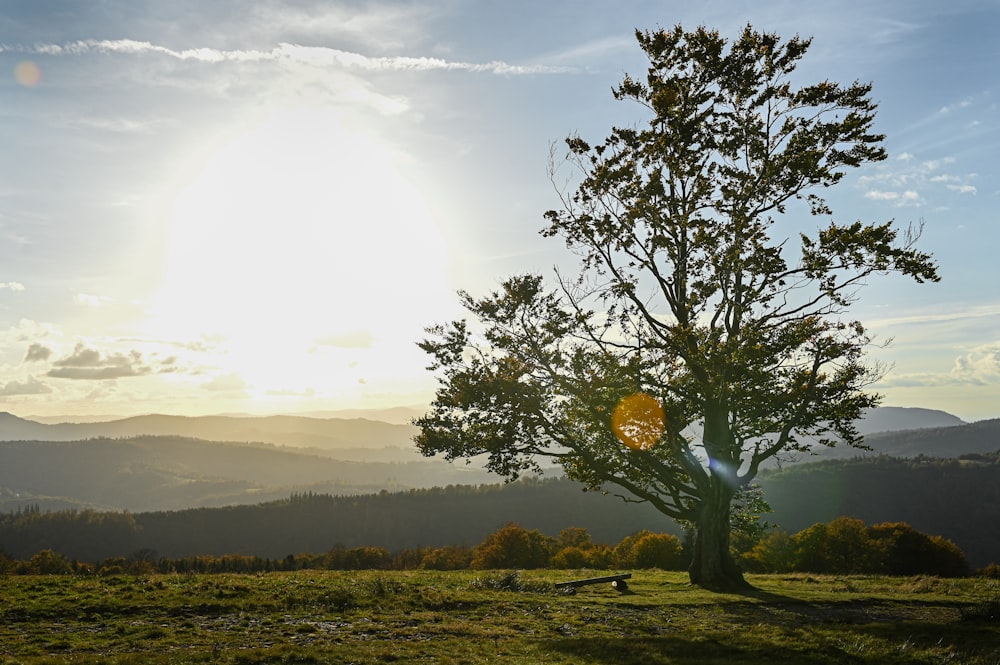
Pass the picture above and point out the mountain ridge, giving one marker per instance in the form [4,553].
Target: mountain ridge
[299,431]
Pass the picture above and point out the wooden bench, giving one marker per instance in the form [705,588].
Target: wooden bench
[617,581]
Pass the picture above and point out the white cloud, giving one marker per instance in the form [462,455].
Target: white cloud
[879,195]
[935,164]
[978,367]
[30,386]
[319,56]
[12,286]
[981,366]
[950,108]
[28,330]
[909,183]
[905,198]
[87,300]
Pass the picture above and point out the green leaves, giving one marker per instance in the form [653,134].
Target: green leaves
[687,292]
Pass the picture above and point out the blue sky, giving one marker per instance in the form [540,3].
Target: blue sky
[257,207]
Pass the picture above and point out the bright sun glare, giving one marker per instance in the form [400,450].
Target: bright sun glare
[301,245]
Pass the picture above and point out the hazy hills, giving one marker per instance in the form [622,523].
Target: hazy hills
[170,473]
[162,462]
[953,441]
[347,436]
[337,433]
[109,469]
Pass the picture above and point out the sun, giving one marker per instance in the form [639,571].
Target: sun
[300,242]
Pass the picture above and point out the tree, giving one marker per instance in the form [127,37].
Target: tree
[698,340]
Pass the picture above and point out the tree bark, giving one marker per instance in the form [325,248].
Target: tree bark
[712,564]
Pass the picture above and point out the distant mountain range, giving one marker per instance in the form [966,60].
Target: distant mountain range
[339,433]
[328,434]
[160,462]
[149,473]
[898,418]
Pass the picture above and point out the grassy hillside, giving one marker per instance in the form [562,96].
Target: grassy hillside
[493,617]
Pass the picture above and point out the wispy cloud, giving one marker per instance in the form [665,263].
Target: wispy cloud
[226,383]
[318,56]
[971,312]
[88,300]
[909,182]
[30,386]
[978,367]
[905,198]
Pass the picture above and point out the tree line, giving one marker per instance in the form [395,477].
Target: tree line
[956,498]
[843,546]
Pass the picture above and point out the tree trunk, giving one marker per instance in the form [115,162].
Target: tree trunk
[712,564]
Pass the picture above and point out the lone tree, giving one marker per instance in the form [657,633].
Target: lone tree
[698,339]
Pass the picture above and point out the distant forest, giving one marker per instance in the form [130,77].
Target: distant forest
[957,498]
[310,523]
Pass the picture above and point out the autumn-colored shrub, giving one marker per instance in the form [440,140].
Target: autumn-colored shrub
[512,546]
[649,550]
[906,551]
[48,562]
[846,545]
[841,546]
[991,570]
[450,557]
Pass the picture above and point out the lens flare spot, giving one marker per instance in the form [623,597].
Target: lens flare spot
[27,73]
[638,421]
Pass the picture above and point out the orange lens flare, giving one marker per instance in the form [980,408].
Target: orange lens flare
[27,73]
[638,421]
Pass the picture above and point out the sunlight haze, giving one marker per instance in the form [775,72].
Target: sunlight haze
[259,207]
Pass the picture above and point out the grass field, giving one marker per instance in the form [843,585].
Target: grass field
[493,617]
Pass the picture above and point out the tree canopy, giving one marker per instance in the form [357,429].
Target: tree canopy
[707,328]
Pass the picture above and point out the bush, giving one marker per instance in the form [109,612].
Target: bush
[649,550]
[451,557]
[513,547]
[48,562]
[992,570]
[906,551]
[575,549]
[775,553]
[846,545]
[570,557]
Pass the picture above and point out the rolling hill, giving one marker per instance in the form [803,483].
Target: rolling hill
[170,473]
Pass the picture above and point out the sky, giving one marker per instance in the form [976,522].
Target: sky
[234,207]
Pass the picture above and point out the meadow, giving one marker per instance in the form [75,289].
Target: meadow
[493,616]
